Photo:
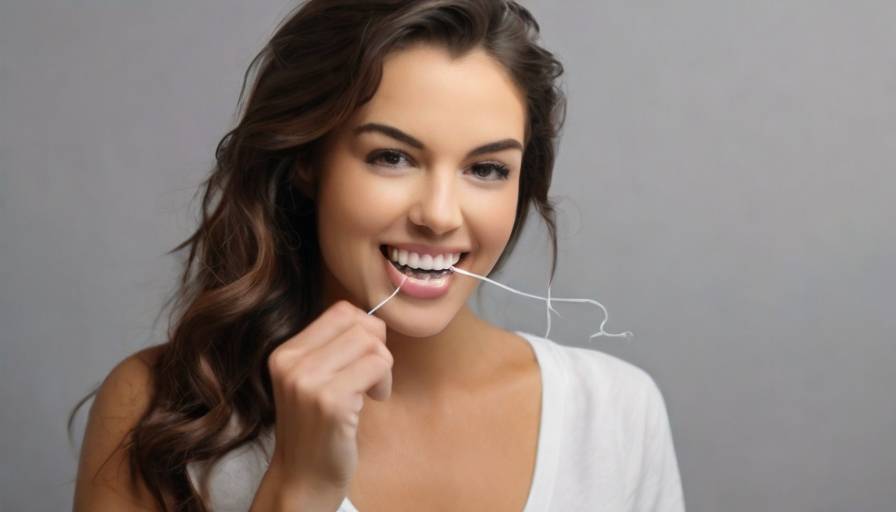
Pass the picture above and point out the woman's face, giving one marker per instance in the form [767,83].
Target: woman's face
[401,177]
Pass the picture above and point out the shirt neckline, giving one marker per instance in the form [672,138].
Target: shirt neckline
[553,384]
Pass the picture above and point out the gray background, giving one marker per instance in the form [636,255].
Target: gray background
[723,182]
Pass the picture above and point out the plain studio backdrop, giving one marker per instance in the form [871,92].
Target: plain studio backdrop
[725,183]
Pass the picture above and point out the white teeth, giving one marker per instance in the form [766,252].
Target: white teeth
[423,261]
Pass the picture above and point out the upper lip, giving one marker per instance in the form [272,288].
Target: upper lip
[428,249]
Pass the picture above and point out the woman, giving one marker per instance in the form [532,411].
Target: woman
[382,141]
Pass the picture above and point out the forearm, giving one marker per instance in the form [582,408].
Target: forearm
[276,495]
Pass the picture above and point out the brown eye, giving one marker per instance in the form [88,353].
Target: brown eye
[500,171]
[389,156]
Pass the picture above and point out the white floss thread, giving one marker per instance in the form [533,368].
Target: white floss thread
[627,334]
[403,279]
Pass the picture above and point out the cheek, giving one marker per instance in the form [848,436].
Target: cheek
[494,221]
[351,203]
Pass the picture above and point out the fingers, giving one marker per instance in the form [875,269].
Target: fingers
[352,344]
[370,374]
[337,319]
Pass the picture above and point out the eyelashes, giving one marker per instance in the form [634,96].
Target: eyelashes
[499,170]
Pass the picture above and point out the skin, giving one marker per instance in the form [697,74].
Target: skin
[430,196]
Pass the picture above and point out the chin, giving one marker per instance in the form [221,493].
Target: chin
[413,327]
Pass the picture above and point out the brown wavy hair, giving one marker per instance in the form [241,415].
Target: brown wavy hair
[251,278]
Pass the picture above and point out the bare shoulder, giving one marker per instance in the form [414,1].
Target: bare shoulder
[126,391]
[103,481]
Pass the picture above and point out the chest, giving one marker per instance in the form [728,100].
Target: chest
[478,455]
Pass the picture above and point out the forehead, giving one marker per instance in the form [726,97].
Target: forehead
[446,102]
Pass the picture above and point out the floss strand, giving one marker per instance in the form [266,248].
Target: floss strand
[548,300]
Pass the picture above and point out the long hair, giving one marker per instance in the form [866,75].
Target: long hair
[251,278]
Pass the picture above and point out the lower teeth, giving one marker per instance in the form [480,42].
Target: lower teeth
[424,275]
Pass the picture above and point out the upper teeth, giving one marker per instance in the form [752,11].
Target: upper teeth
[423,261]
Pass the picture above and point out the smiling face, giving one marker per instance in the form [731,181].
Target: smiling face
[432,164]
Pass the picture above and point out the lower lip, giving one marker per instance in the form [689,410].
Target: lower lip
[418,288]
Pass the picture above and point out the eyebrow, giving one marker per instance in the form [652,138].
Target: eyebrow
[399,135]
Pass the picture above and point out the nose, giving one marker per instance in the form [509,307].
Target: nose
[437,207]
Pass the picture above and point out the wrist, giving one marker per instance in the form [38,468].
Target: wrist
[282,492]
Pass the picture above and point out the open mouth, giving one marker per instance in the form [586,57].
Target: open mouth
[421,274]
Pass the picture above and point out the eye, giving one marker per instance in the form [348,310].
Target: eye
[500,170]
[390,156]
[393,157]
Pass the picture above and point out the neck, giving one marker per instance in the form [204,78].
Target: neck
[458,357]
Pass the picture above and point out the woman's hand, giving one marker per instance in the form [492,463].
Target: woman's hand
[319,377]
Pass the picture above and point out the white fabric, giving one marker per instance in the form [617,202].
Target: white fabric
[604,443]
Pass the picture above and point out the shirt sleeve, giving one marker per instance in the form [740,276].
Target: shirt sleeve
[658,487]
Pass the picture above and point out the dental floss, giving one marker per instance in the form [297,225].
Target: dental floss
[548,299]
[403,279]
[626,334]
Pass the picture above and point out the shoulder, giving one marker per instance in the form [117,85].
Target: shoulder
[597,369]
[598,381]
[127,389]
[120,401]
[614,412]
[613,373]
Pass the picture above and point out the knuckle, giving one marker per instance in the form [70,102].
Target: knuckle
[299,382]
[371,344]
[380,350]
[327,403]
[344,309]
[377,359]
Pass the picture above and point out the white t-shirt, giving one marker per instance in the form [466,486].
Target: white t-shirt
[604,443]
